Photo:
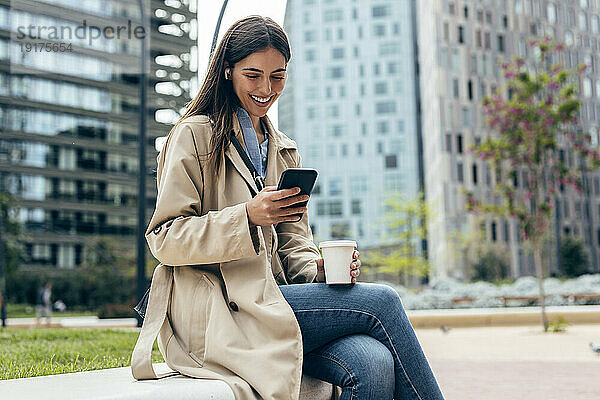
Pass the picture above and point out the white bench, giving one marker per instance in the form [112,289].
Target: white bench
[118,384]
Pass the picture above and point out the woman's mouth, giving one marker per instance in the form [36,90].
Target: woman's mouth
[261,101]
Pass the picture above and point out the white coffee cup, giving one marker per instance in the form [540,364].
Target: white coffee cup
[337,256]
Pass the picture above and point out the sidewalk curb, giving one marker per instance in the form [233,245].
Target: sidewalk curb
[513,316]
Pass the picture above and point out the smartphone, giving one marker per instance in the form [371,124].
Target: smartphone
[304,178]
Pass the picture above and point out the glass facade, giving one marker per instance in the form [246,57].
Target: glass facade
[354,120]
[69,122]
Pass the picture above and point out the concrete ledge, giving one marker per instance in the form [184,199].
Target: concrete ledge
[118,384]
[501,316]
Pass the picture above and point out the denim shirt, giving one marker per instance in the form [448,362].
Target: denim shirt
[256,152]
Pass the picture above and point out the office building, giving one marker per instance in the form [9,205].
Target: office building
[69,119]
[460,46]
[350,104]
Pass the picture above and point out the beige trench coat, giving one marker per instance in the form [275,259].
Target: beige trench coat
[217,278]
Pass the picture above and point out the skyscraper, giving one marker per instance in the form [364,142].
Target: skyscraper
[350,104]
[461,44]
[69,116]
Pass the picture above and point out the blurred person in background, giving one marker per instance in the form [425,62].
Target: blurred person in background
[43,307]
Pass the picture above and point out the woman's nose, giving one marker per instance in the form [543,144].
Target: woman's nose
[265,87]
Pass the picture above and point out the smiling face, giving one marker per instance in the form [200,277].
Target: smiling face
[258,80]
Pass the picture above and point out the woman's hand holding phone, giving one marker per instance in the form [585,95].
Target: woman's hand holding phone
[268,206]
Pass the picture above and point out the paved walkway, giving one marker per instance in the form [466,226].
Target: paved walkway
[73,322]
[493,363]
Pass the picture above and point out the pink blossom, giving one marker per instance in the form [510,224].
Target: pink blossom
[553,85]
[519,61]
[532,43]
[560,47]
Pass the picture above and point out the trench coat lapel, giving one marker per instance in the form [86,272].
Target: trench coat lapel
[236,159]
[275,161]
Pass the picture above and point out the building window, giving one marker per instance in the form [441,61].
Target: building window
[380,11]
[335,187]
[337,130]
[376,69]
[333,15]
[333,110]
[461,34]
[455,88]
[309,55]
[359,149]
[356,207]
[344,149]
[391,161]
[337,52]
[379,30]
[459,143]
[486,40]
[466,12]
[382,127]
[335,72]
[310,36]
[474,174]
[380,87]
[379,147]
[336,208]
[505,21]
[446,32]
[500,43]
[385,107]
[448,143]
[470,89]
[459,172]
[582,21]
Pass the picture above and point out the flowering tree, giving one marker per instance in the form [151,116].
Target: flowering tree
[536,124]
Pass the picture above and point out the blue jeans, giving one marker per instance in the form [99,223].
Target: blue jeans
[357,336]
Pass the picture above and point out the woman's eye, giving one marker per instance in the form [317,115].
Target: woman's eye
[252,76]
[279,77]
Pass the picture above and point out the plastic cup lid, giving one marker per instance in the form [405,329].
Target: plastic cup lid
[337,243]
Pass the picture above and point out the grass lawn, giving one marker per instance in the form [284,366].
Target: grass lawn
[35,352]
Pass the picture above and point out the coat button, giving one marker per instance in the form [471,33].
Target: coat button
[157,229]
[233,306]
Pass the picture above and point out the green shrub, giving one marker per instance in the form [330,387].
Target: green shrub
[88,287]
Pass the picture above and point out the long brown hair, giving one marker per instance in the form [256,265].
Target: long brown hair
[216,97]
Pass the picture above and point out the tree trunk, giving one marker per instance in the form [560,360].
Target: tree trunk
[539,271]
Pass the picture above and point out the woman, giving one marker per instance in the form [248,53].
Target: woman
[246,300]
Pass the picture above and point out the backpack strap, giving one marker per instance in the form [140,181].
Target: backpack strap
[156,313]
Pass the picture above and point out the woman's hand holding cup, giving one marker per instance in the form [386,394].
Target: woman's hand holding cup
[354,268]
[268,206]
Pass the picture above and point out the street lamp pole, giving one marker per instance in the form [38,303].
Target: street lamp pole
[217,28]
[141,226]
[2,277]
